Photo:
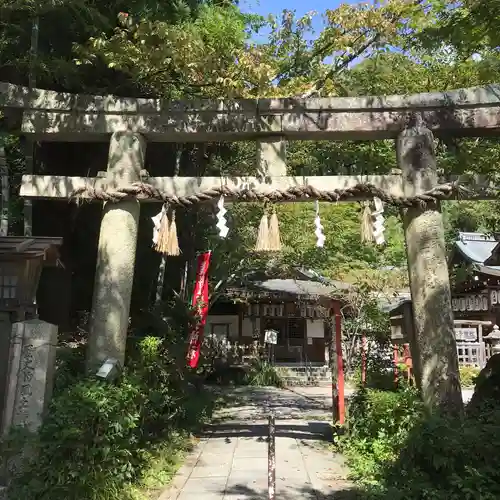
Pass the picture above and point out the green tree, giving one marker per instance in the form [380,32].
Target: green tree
[470,26]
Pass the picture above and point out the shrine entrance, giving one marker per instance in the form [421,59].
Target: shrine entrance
[291,345]
[129,124]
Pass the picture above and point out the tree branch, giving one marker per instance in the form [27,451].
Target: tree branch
[223,283]
[337,68]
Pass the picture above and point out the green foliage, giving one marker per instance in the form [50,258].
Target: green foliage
[63,25]
[396,450]
[468,376]
[70,364]
[449,458]
[378,424]
[470,26]
[192,57]
[16,166]
[263,374]
[99,438]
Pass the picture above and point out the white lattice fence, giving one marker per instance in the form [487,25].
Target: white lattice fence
[471,353]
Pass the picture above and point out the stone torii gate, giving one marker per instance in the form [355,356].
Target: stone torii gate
[129,124]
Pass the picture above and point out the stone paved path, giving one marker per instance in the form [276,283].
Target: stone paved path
[230,461]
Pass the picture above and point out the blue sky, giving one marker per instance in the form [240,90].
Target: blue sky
[277,6]
[301,7]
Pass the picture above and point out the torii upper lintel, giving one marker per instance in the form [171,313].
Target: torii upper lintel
[50,115]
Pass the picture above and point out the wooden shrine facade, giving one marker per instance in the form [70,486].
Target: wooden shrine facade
[476,263]
[300,310]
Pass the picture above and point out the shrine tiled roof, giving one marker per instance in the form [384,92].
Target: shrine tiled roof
[302,287]
[315,287]
[477,248]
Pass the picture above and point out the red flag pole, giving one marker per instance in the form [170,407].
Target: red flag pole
[340,363]
[363,359]
[396,362]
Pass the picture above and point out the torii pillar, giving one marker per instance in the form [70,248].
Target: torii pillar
[116,254]
[434,348]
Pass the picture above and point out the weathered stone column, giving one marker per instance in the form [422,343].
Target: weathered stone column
[435,350]
[271,157]
[116,255]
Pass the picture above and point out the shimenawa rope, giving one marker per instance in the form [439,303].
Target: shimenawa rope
[142,191]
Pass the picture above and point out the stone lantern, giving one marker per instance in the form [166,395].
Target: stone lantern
[494,338]
[21,263]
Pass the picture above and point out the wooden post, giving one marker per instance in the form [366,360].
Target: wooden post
[363,359]
[428,273]
[409,329]
[271,459]
[407,361]
[396,361]
[339,401]
[29,147]
[4,176]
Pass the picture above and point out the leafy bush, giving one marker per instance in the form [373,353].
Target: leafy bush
[262,373]
[70,365]
[379,368]
[220,359]
[100,438]
[398,451]
[378,424]
[228,375]
[449,458]
[468,376]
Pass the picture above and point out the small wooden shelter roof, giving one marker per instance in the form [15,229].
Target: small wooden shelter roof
[308,285]
[477,248]
[23,247]
[481,251]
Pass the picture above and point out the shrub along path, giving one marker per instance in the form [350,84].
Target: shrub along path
[230,461]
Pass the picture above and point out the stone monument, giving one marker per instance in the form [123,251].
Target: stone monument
[31,373]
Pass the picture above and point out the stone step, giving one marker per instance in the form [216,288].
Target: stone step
[301,380]
[305,373]
[303,369]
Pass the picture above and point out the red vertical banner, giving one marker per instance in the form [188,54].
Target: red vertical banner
[200,304]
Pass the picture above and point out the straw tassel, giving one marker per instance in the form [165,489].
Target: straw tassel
[274,233]
[163,235]
[173,242]
[262,244]
[366,224]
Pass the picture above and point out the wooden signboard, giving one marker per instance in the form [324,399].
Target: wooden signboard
[466,334]
[271,337]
